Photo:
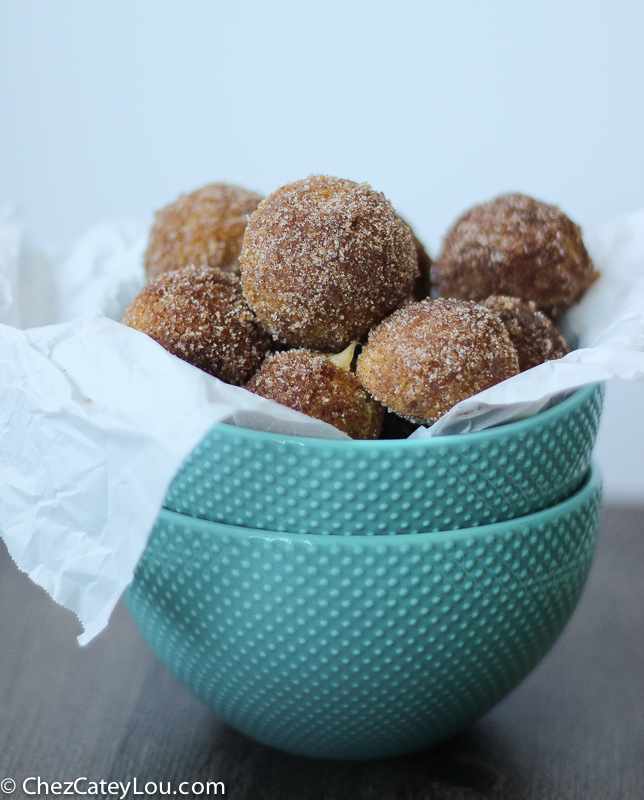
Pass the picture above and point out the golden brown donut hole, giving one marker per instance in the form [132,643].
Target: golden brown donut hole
[518,247]
[532,333]
[204,228]
[323,260]
[428,356]
[199,314]
[309,382]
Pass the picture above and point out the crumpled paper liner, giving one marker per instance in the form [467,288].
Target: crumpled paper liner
[96,418]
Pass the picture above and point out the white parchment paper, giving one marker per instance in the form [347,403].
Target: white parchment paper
[96,418]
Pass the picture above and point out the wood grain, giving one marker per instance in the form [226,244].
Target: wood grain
[573,729]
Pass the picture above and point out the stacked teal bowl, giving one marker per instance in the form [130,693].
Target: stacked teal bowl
[289,483]
[365,646]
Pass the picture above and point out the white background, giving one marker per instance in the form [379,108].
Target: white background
[111,109]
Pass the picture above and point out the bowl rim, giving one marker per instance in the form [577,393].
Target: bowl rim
[576,397]
[592,483]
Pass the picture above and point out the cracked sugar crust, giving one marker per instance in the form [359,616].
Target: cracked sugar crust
[323,260]
[518,247]
[428,356]
[204,228]
[534,336]
[310,383]
[199,314]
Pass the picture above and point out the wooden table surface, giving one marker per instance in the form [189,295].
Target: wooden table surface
[110,711]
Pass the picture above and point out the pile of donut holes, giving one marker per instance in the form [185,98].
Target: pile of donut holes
[321,297]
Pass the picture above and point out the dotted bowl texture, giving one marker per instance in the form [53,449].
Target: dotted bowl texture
[303,485]
[356,646]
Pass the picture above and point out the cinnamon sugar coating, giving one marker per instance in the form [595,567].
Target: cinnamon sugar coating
[323,260]
[204,228]
[310,383]
[199,314]
[534,336]
[428,356]
[518,247]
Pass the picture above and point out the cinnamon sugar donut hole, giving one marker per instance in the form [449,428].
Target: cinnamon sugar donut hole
[311,383]
[428,356]
[199,314]
[204,228]
[323,260]
[534,336]
[518,247]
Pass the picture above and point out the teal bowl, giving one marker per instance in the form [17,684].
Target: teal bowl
[360,646]
[296,484]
